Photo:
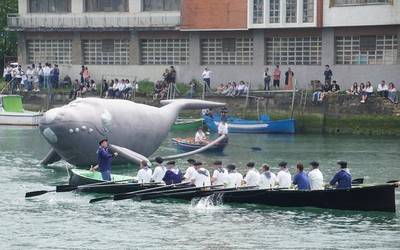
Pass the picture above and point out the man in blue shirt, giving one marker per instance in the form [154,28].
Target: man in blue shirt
[173,174]
[301,178]
[104,157]
[343,177]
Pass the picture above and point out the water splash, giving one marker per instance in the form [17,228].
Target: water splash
[210,202]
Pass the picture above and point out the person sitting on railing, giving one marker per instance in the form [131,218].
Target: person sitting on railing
[392,93]
[127,92]
[368,91]
[354,90]
[334,88]
[240,89]
[316,96]
[220,89]
[382,89]
[74,90]
[92,86]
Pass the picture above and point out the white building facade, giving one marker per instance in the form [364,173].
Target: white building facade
[359,39]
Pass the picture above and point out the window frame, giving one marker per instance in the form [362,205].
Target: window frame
[333,3]
[85,9]
[163,10]
[29,9]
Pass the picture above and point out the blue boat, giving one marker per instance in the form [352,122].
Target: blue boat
[188,145]
[263,126]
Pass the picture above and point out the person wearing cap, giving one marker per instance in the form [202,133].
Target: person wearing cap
[159,171]
[200,137]
[234,178]
[145,173]
[252,177]
[315,176]
[173,174]
[224,113]
[342,178]
[301,179]
[201,177]
[284,178]
[104,157]
[190,170]
[267,179]
[220,174]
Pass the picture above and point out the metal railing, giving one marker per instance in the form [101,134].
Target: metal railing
[145,20]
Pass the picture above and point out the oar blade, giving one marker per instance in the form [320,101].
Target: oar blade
[65,188]
[256,148]
[36,193]
[100,199]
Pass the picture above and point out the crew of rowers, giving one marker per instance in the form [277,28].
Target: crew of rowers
[230,178]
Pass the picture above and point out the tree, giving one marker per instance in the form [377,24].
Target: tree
[8,39]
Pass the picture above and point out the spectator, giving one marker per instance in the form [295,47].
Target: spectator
[55,76]
[267,79]
[206,75]
[35,78]
[74,90]
[17,74]
[361,88]
[316,97]
[383,89]
[41,76]
[127,92]
[354,90]
[92,87]
[289,79]
[110,90]
[81,74]
[328,74]
[67,82]
[104,88]
[277,77]
[46,75]
[334,88]
[392,93]
[7,73]
[172,73]
[368,91]
[220,88]
[86,75]
[29,79]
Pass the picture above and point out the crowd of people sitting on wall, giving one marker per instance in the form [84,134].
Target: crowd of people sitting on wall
[168,80]
[321,90]
[33,78]
[233,89]
[365,90]
[121,89]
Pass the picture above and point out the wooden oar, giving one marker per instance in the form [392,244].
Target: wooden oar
[357,181]
[69,188]
[138,192]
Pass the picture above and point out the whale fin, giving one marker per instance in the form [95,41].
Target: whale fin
[50,158]
[129,155]
[192,104]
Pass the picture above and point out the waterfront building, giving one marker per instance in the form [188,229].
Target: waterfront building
[236,39]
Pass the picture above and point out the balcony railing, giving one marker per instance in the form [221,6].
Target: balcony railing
[73,21]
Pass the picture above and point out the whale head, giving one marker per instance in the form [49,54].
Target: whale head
[74,129]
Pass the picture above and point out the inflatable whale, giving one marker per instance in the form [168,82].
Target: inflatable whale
[134,130]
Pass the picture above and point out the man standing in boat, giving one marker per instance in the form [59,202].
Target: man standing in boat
[342,179]
[104,157]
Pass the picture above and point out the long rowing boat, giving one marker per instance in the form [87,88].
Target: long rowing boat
[361,198]
[188,145]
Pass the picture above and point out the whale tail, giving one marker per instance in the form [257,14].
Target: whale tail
[181,104]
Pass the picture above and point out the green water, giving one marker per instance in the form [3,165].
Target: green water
[67,220]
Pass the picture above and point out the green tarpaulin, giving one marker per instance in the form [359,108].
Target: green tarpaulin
[12,103]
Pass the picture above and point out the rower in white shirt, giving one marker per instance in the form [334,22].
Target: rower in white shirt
[201,178]
[252,177]
[145,173]
[220,174]
[284,178]
[200,136]
[267,179]
[190,170]
[159,171]
[315,176]
[234,178]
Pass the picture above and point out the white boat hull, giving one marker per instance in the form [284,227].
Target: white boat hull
[20,119]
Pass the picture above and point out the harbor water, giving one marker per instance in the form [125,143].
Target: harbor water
[68,221]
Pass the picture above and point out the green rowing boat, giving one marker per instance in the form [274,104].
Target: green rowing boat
[187,124]
[79,177]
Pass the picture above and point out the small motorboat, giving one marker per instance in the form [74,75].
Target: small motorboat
[13,113]
[262,126]
[182,124]
[188,144]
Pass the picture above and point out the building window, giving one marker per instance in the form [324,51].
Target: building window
[359,2]
[258,11]
[293,50]
[51,51]
[366,49]
[49,6]
[161,5]
[105,51]
[227,51]
[291,11]
[308,11]
[106,6]
[274,11]
[164,51]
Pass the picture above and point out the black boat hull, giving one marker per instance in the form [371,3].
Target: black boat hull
[369,198]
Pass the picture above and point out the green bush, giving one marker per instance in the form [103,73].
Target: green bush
[183,88]
[146,87]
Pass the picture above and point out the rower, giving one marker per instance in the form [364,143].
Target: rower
[267,179]
[234,178]
[145,173]
[173,174]
[252,177]
[342,177]
[284,178]
[220,174]
[301,178]
[315,176]
[201,177]
[200,137]
[104,158]
[190,170]
[159,171]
